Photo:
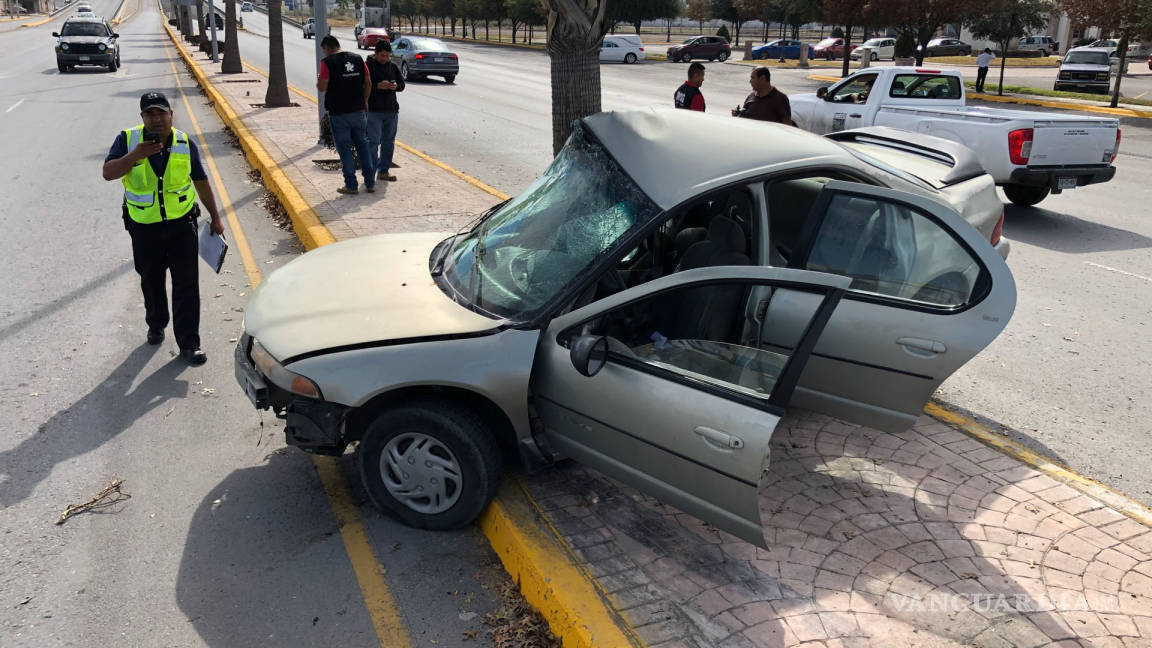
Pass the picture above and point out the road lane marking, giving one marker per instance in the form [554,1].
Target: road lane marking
[238,237]
[382,610]
[479,184]
[1119,271]
[14,106]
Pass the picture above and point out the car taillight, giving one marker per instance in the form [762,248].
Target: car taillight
[1020,145]
[452,56]
[419,56]
[997,231]
[641,49]
[1116,150]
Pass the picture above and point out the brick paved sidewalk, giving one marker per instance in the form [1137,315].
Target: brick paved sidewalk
[925,538]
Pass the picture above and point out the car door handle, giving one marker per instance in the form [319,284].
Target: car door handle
[856,115]
[921,346]
[721,439]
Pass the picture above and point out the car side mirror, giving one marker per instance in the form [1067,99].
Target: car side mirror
[55,34]
[115,35]
[589,354]
[822,93]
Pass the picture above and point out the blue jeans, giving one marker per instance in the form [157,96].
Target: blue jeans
[348,130]
[382,139]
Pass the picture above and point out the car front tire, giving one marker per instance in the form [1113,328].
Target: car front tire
[685,58]
[1024,195]
[60,66]
[875,56]
[723,57]
[433,465]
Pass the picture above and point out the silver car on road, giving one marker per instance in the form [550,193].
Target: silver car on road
[419,58]
[641,309]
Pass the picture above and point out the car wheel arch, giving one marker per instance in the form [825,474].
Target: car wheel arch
[494,417]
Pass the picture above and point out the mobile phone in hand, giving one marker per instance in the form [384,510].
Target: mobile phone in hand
[151,137]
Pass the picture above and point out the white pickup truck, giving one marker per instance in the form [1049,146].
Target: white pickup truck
[1029,154]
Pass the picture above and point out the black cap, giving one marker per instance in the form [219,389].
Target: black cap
[154,100]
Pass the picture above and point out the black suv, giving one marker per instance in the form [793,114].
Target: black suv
[86,41]
[713,48]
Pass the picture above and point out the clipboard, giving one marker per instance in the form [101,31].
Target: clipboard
[213,248]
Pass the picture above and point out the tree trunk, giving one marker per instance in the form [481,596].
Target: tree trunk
[203,40]
[1003,61]
[1122,48]
[574,51]
[736,24]
[668,34]
[486,32]
[277,94]
[232,63]
[500,31]
[847,49]
[924,35]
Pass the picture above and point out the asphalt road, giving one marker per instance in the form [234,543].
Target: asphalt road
[228,538]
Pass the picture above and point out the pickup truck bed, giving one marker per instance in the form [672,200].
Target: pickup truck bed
[1029,154]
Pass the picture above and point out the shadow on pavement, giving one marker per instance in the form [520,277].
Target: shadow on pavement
[264,564]
[110,408]
[66,300]
[1012,433]
[1062,232]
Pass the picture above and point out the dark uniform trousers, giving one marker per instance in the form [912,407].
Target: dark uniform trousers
[157,249]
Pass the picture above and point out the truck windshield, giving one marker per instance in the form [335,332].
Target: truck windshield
[540,242]
[1086,58]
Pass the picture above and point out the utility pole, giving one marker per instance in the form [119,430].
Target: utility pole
[321,16]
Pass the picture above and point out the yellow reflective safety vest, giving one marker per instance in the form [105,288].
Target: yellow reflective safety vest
[151,201]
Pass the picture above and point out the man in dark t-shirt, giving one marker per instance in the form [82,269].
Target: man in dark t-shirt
[688,95]
[766,103]
[346,84]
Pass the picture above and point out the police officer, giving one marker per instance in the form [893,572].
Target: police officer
[162,176]
[688,95]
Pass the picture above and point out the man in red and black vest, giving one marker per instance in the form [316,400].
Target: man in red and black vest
[346,84]
[688,95]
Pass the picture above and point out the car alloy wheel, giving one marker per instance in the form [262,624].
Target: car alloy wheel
[434,465]
[723,57]
[629,58]
[685,58]
[404,70]
[875,56]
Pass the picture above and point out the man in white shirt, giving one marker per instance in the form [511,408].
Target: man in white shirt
[982,63]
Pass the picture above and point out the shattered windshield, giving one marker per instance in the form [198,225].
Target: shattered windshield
[511,264]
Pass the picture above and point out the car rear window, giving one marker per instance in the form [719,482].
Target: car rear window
[925,86]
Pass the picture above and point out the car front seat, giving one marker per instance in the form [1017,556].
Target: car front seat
[709,312]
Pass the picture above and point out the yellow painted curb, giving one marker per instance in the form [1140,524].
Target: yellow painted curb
[536,557]
[550,576]
[999,442]
[823,77]
[308,227]
[39,22]
[1104,110]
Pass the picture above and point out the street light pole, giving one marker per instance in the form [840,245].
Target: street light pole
[321,17]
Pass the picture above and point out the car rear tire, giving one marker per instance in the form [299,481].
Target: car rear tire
[1024,195]
[723,57]
[450,78]
[404,70]
[433,465]
[629,58]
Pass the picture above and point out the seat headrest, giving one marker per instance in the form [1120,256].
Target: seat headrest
[726,233]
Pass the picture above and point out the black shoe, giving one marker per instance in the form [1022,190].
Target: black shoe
[155,336]
[194,357]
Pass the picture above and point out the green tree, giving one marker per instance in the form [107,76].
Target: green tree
[1006,20]
[1127,19]
[575,31]
[923,17]
[700,12]
[522,13]
[848,13]
[231,63]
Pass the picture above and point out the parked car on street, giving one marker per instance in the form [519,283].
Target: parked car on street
[420,57]
[621,48]
[1044,44]
[1085,69]
[369,36]
[829,48]
[946,47]
[247,6]
[1135,48]
[86,41]
[1150,61]
[713,48]
[652,321]
[1028,154]
[882,48]
[789,49]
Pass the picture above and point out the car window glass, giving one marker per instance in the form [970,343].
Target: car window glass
[84,29]
[923,86]
[698,333]
[892,250]
[545,239]
[427,45]
[853,86]
[1086,58]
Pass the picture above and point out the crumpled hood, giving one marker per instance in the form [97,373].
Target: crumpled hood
[365,290]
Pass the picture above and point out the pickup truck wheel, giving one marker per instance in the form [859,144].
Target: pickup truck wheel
[433,465]
[1024,195]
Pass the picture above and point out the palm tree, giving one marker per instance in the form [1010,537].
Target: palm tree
[232,63]
[203,40]
[277,94]
[575,30]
